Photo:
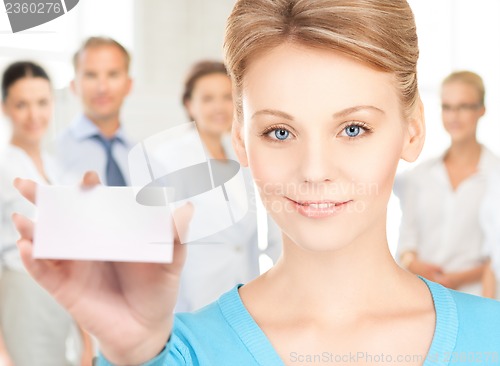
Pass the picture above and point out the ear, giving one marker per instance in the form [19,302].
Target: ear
[239,142]
[414,134]
[187,106]
[73,86]
[130,83]
[482,111]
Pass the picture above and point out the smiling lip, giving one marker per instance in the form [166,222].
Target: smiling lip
[319,209]
[102,100]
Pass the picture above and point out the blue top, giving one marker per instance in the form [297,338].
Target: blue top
[223,333]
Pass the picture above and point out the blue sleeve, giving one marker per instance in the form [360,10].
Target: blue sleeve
[160,360]
[479,320]
[175,353]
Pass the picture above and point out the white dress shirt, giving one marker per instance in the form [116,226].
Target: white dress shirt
[439,223]
[77,152]
[14,162]
[490,221]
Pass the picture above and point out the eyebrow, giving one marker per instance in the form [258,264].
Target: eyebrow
[355,109]
[273,112]
[340,114]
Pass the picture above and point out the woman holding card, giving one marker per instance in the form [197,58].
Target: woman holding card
[327,104]
[34,327]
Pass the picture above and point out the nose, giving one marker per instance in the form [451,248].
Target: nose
[102,84]
[316,161]
[222,105]
[451,113]
[32,113]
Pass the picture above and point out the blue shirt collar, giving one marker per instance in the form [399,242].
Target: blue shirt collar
[83,128]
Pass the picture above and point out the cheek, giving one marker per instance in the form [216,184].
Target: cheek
[46,115]
[371,170]
[271,167]
[473,121]
[121,87]
[229,106]
[198,109]
[87,90]
[18,117]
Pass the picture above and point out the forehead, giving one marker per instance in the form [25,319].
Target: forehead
[459,91]
[102,56]
[28,87]
[215,79]
[301,79]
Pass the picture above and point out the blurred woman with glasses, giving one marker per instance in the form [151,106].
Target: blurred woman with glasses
[440,234]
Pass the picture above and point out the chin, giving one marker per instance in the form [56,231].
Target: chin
[318,243]
[219,130]
[323,235]
[34,137]
[459,137]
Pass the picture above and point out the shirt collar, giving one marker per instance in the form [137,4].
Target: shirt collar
[83,128]
[487,160]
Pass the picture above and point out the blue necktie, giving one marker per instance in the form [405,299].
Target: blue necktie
[114,176]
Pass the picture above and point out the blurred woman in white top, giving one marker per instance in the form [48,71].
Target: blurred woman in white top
[440,236]
[33,326]
[217,263]
[490,221]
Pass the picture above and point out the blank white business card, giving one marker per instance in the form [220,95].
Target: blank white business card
[102,223]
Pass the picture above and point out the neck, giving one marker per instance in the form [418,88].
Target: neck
[464,151]
[32,149]
[107,126]
[348,280]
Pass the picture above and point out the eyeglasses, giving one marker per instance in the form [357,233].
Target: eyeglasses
[461,108]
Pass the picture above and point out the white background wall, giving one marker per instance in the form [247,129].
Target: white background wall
[166,36]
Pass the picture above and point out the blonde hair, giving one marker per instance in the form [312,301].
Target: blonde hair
[99,42]
[380,33]
[470,78]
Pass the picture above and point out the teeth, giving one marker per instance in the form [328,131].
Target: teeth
[320,205]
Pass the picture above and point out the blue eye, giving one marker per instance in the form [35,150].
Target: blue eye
[352,131]
[355,130]
[281,134]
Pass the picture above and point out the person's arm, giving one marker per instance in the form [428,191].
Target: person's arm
[455,280]
[5,359]
[411,262]
[491,232]
[407,254]
[408,228]
[489,282]
[128,307]
[88,353]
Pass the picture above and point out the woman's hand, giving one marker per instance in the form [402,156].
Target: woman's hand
[5,360]
[425,269]
[128,307]
[87,355]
